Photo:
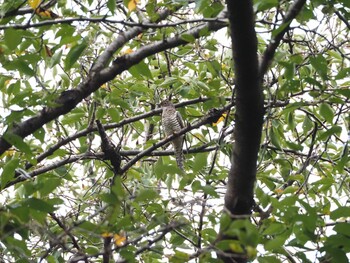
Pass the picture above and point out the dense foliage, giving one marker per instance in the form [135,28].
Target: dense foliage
[66,64]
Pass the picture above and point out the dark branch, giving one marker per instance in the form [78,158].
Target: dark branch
[275,42]
[111,152]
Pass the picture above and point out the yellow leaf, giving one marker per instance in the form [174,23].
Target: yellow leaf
[34,3]
[236,247]
[119,240]
[223,116]
[132,5]
[45,13]
[128,51]
[278,191]
[9,153]
[251,252]
[106,234]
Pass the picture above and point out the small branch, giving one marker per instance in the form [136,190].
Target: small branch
[342,18]
[111,152]
[100,156]
[64,228]
[275,42]
[143,25]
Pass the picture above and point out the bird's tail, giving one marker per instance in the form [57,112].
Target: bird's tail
[180,159]
[179,155]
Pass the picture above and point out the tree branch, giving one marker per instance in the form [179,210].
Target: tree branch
[101,156]
[141,25]
[126,61]
[275,42]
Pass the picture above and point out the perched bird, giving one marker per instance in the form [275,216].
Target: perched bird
[172,123]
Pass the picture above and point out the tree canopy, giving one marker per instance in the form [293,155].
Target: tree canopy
[88,175]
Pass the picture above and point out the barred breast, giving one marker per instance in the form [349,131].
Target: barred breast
[170,122]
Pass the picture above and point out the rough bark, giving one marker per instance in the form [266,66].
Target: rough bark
[248,115]
[249,108]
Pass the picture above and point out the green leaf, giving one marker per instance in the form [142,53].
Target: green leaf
[12,38]
[333,130]
[92,250]
[200,162]
[261,5]
[290,121]
[19,245]
[294,146]
[40,134]
[225,221]
[209,234]
[141,70]
[48,183]
[269,259]
[8,172]
[319,63]
[274,229]
[74,54]
[201,5]
[342,228]
[179,257]
[343,73]
[279,30]
[90,227]
[340,212]
[307,124]
[146,195]
[109,198]
[111,4]
[188,38]
[344,92]
[326,112]
[196,186]
[55,59]
[18,142]
[39,205]
[114,114]
[274,139]
[210,190]
[20,65]
[169,81]
[275,243]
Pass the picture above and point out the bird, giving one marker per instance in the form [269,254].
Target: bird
[172,123]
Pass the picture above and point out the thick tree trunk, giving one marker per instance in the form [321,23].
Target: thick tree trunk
[248,116]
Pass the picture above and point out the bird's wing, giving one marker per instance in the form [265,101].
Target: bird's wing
[179,119]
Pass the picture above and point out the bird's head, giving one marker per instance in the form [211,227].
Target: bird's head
[166,103]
